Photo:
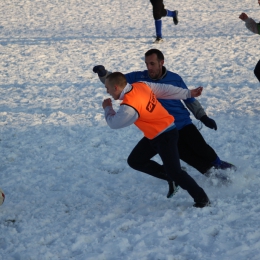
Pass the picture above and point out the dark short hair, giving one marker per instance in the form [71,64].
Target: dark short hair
[158,53]
[117,78]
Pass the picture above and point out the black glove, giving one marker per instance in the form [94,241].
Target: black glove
[209,122]
[100,70]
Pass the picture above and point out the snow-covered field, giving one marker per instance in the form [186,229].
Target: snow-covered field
[69,191]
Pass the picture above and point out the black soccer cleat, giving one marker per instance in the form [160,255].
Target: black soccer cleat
[203,203]
[173,188]
[225,165]
[175,18]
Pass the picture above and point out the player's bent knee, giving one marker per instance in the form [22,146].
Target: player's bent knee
[157,16]
[131,162]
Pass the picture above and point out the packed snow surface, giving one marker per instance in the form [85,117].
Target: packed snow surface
[69,191]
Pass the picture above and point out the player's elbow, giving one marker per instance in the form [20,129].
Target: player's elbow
[112,125]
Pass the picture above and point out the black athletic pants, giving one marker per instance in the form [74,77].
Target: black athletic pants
[257,70]
[194,150]
[166,146]
[158,9]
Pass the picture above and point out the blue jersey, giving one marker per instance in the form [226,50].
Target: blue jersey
[174,107]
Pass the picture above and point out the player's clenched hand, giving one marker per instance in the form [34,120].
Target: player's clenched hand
[243,16]
[107,102]
[100,70]
[196,92]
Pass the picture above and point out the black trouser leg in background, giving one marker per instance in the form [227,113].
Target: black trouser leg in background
[194,150]
[158,9]
[257,70]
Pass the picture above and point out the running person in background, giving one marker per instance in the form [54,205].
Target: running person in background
[255,28]
[192,147]
[140,106]
[158,12]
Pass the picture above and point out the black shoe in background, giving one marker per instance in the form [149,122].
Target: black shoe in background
[175,18]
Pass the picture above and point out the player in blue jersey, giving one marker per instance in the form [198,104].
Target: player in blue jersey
[158,12]
[192,147]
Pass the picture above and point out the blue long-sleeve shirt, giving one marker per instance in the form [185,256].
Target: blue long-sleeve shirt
[174,107]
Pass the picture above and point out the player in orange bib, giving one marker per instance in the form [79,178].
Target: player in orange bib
[140,107]
[152,117]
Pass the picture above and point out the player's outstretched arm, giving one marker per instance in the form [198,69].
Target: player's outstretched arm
[250,23]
